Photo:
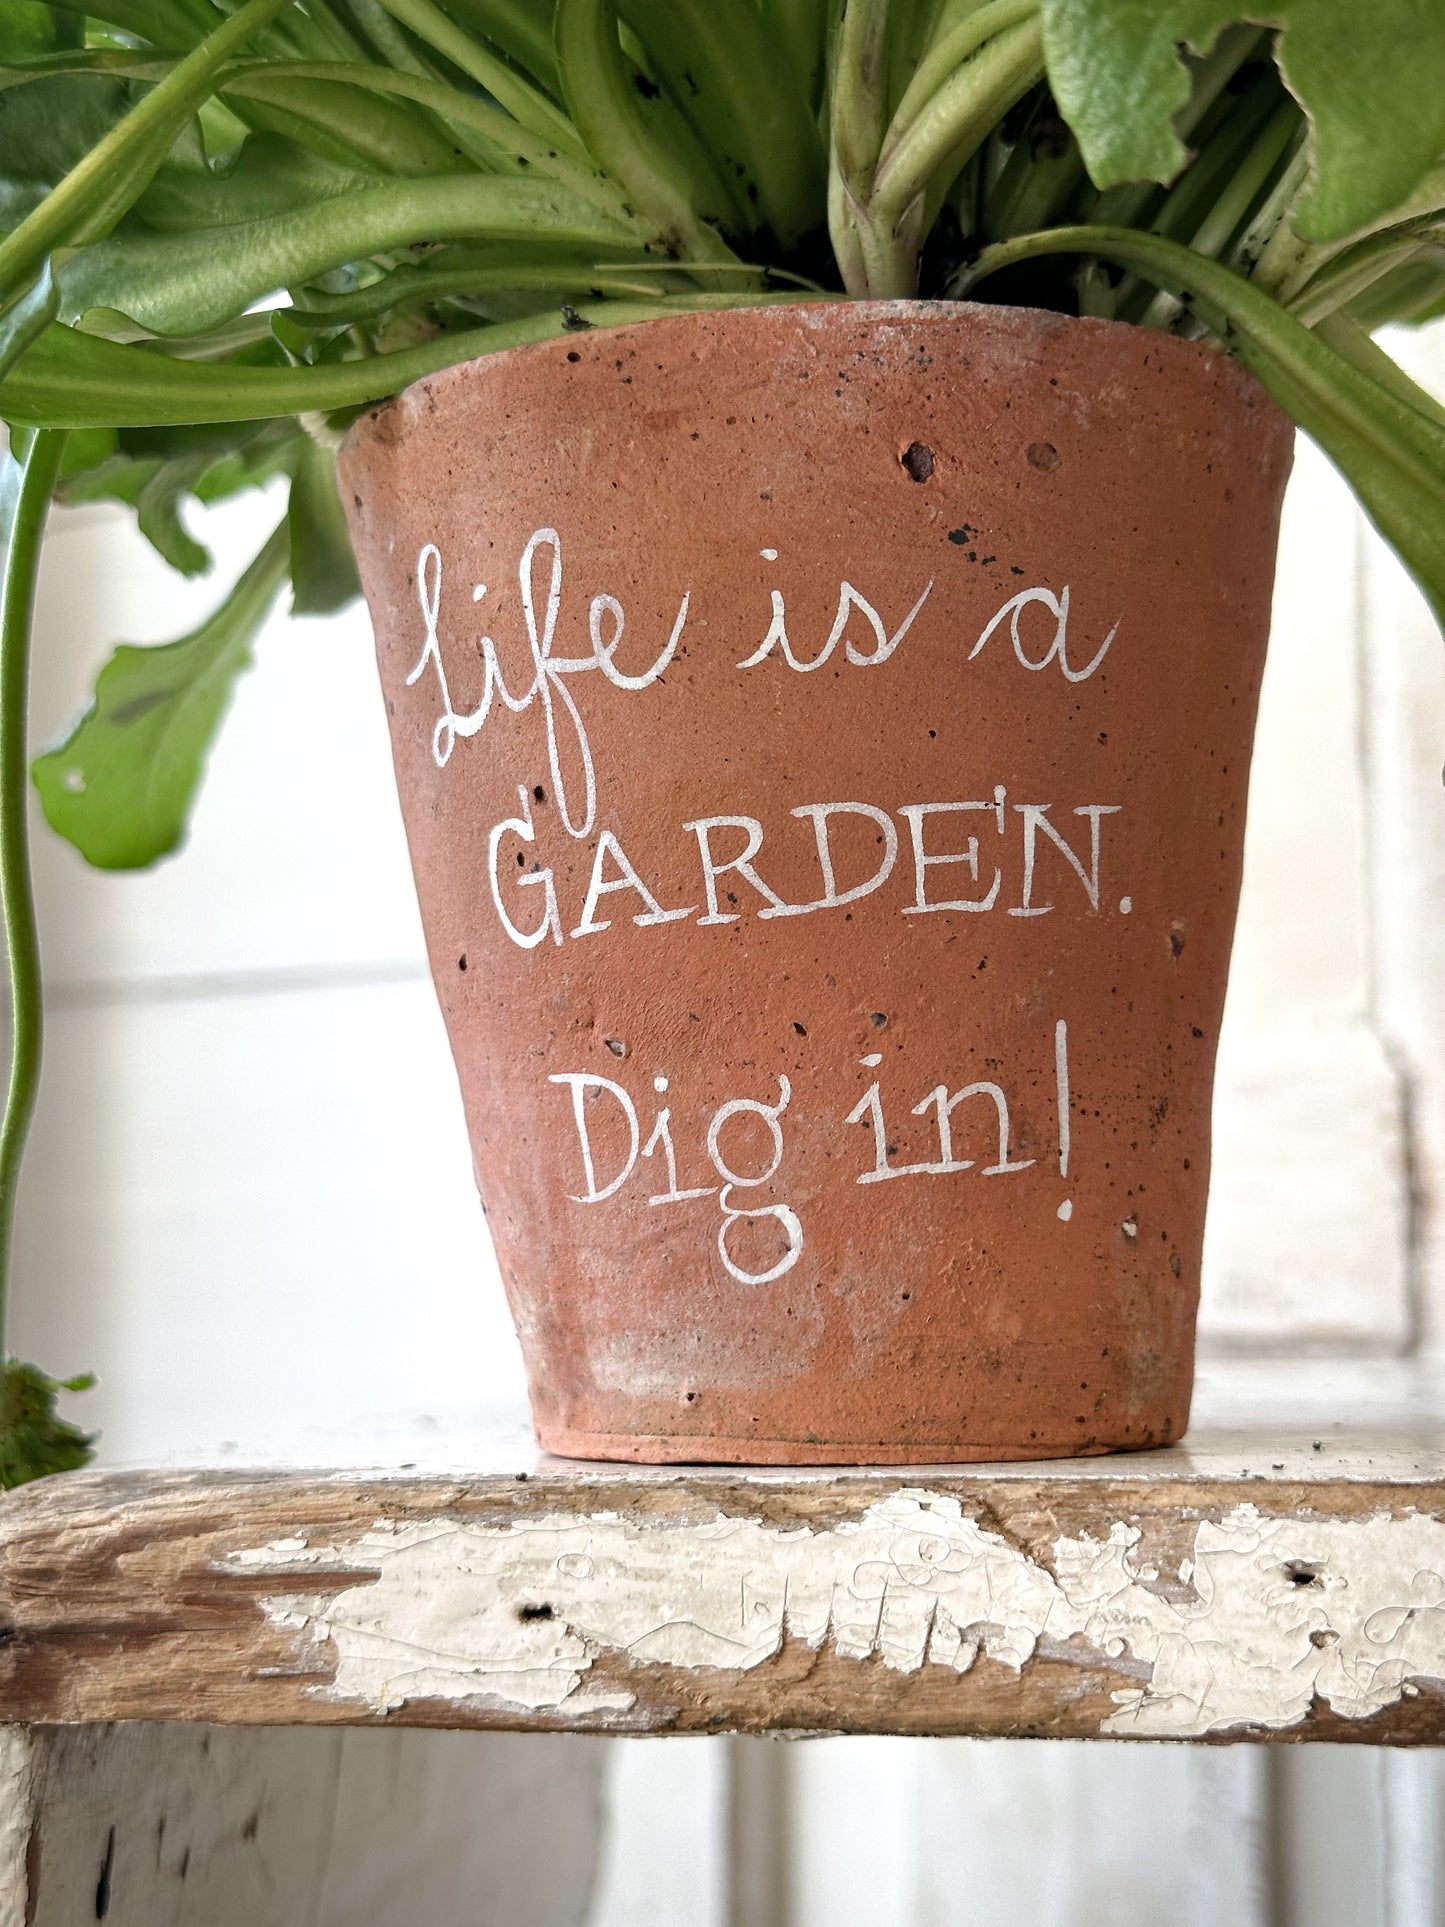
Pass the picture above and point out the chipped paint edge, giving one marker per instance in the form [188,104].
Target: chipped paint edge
[1266,1616]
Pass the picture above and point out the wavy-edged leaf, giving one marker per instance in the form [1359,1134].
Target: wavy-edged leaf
[99,189]
[323,568]
[268,175]
[1390,449]
[1370,81]
[117,465]
[158,512]
[186,283]
[34,1440]
[121,785]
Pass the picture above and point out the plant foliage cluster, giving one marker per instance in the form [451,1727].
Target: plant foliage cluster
[227,229]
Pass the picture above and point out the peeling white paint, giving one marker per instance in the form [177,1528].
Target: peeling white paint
[17,1802]
[1265,1615]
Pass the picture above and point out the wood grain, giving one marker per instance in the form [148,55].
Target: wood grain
[153,1597]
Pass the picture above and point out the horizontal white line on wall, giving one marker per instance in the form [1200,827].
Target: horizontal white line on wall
[205,985]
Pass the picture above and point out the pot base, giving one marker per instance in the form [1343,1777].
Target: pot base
[661,1449]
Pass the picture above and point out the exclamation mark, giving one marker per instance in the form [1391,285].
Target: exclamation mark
[1061,1074]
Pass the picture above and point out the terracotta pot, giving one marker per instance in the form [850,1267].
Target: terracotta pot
[827,824]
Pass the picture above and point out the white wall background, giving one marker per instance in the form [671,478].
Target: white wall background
[249,1208]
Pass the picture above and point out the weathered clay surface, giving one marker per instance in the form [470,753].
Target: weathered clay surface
[823,737]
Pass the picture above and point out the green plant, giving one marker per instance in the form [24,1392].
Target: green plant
[229,231]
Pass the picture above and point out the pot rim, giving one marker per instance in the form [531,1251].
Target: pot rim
[817,316]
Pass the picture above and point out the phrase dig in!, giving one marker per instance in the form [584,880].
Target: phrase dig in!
[956,854]
[976,1114]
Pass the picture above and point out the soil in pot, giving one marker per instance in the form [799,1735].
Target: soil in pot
[823,735]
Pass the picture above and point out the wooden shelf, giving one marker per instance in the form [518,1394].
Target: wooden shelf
[1280,1575]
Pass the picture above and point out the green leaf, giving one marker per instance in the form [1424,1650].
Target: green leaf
[990,66]
[29,28]
[323,568]
[802,28]
[1371,80]
[185,283]
[521,28]
[47,127]
[165,23]
[121,785]
[492,281]
[158,511]
[1412,293]
[210,463]
[268,175]
[1390,448]
[99,189]
[525,102]
[386,136]
[1347,338]
[34,1440]
[496,141]
[610,113]
[740,91]
[25,320]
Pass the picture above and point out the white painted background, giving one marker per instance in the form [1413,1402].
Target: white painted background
[249,1208]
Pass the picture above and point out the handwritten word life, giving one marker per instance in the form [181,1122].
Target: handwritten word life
[547,678]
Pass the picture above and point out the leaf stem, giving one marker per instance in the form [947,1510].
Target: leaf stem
[860,94]
[948,54]
[936,143]
[17,902]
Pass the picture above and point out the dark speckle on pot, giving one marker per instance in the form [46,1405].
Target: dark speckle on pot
[917,460]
